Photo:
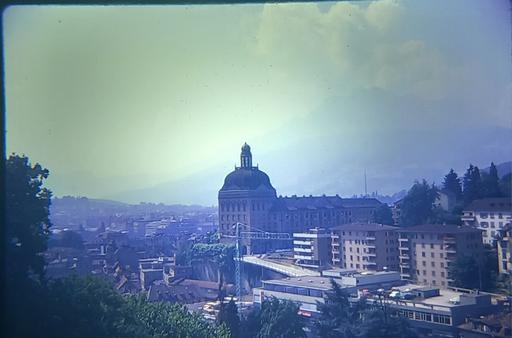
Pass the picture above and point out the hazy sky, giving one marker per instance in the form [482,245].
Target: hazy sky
[153,103]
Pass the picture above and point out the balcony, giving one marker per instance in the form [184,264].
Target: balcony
[404,257]
[295,242]
[308,250]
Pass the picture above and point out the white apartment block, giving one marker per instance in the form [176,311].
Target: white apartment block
[313,248]
[489,215]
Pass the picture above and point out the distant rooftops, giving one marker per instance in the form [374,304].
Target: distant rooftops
[364,227]
[295,202]
[491,204]
[440,228]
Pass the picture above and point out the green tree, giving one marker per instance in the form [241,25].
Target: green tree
[280,319]
[228,315]
[340,318]
[491,183]
[383,215]
[71,239]
[452,183]
[169,320]
[506,185]
[88,307]
[418,205]
[381,324]
[475,271]
[27,205]
[472,185]
[27,210]
[336,316]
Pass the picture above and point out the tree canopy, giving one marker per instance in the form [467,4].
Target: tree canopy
[475,271]
[341,318]
[452,183]
[418,205]
[472,184]
[383,215]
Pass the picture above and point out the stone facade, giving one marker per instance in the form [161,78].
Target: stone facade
[248,197]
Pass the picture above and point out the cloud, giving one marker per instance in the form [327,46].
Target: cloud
[352,46]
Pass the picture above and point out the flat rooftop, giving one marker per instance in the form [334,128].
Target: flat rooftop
[442,300]
[312,282]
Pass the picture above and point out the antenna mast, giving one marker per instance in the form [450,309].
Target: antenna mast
[365,186]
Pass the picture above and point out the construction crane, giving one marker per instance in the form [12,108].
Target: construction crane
[252,235]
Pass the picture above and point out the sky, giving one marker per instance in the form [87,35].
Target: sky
[153,103]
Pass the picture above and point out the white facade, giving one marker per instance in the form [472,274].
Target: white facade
[489,215]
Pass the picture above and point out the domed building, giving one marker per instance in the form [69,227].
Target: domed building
[248,197]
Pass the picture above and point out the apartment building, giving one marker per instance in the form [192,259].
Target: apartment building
[490,215]
[426,251]
[312,249]
[504,244]
[365,247]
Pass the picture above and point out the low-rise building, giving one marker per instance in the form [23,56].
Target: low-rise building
[427,251]
[308,291]
[365,247]
[490,215]
[154,269]
[312,249]
[435,312]
[504,244]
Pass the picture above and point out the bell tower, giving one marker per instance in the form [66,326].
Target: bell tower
[246,157]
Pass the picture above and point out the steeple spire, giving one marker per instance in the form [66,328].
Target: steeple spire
[246,157]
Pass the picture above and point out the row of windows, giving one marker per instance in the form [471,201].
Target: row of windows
[491,215]
[424,273]
[293,290]
[433,237]
[233,217]
[486,224]
[433,264]
[241,206]
[426,317]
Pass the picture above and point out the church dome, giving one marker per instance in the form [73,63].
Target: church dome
[247,179]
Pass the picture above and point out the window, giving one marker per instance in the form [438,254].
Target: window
[424,274]
[424,263]
[442,264]
[442,273]
[423,254]
[441,255]
[432,255]
[431,245]
[433,273]
[433,264]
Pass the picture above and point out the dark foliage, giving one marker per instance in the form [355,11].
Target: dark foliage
[418,205]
